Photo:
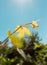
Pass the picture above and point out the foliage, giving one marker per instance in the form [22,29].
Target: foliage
[26,50]
[35,51]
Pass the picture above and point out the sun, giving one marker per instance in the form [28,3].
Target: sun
[21,2]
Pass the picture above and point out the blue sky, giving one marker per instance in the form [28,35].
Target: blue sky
[15,12]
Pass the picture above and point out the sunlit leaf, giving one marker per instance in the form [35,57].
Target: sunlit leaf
[4,60]
[27,31]
[19,28]
[22,31]
[21,34]
[14,40]
[12,60]
[8,33]
[36,45]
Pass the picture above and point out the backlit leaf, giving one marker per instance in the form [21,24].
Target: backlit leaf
[14,40]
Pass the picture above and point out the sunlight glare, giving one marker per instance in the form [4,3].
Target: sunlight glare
[22,2]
